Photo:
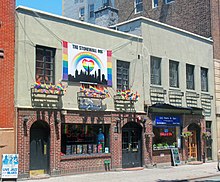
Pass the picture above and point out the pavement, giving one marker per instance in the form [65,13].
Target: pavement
[184,173]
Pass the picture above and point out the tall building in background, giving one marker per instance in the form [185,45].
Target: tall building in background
[7,43]
[97,12]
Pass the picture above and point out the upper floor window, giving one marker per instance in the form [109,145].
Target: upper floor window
[190,77]
[138,5]
[204,79]
[91,10]
[81,12]
[123,75]
[154,3]
[155,70]
[174,73]
[105,2]
[45,72]
[168,1]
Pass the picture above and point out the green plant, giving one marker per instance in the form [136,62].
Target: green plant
[159,145]
[175,144]
[206,134]
[186,134]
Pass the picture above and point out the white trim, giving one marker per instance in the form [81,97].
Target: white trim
[77,21]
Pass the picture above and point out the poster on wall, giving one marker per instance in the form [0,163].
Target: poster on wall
[87,64]
[10,166]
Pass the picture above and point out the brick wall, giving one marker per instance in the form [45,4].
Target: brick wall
[215,10]
[193,16]
[7,43]
[73,164]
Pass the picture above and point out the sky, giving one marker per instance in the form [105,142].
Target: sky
[51,6]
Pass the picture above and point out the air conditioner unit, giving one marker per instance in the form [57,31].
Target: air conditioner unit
[81,18]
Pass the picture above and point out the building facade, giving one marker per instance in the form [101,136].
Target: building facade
[92,99]
[7,49]
[101,13]
[200,17]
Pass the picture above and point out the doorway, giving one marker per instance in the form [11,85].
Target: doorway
[40,147]
[131,145]
[194,142]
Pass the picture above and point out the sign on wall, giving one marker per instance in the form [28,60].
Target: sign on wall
[10,166]
[167,120]
[86,64]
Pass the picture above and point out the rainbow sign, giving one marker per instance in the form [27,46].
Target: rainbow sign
[87,64]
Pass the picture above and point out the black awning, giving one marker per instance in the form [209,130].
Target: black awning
[167,108]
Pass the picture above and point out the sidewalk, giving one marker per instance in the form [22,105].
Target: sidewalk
[161,174]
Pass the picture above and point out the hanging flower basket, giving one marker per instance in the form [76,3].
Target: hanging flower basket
[186,134]
[206,134]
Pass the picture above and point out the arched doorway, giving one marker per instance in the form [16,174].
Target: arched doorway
[131,145]
[194,142]
[40,146]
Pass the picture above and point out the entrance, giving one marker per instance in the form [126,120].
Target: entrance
[131,145]
[39,147]
[194,144]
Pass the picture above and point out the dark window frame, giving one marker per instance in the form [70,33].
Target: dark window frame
[138,5]
[123,69]
[190,76]
[168,1]
[91,11]
[174,73]
[155,3]
[204,79]
[82,139]
[45,65]
[155,70]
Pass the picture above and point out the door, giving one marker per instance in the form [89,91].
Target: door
[39,146]
[192,146]
[131,145]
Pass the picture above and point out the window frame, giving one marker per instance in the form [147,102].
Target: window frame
[153,74]
[173,74]
[136,4]
[43,77]
[91,12]
[168,1]
[123,67]
[80,12]
[191,80]
[82,139]
[204,84]
[155,5]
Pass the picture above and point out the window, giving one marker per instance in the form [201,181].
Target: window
[155,3]
[174,73]
[155,69]
[204,79]
[168,1]
[138,5]
[105,3]
[81,12]
[190,77]
[45,65]
[81,139]
[165,137]
[123,75]
[91,10]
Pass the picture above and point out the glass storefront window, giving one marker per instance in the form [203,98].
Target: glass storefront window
[166,137]
[84,139]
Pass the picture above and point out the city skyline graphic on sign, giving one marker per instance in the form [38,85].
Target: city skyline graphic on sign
[86,64]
